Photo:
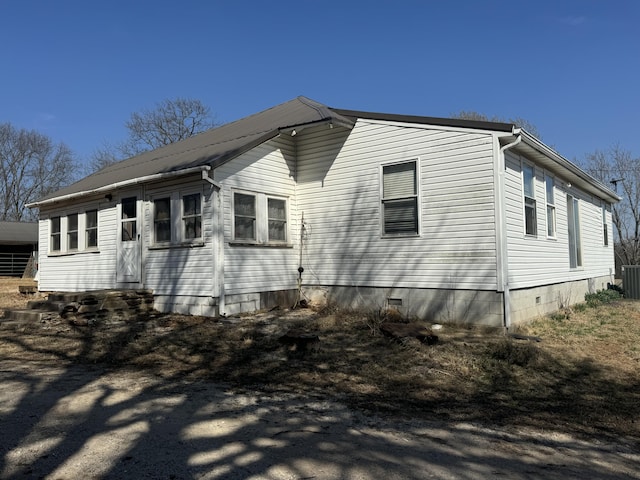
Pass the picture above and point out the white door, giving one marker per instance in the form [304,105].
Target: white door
[129,245]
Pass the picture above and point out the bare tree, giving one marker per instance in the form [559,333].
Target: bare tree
[619,168]
[171,121]
[519,121]
[31,165]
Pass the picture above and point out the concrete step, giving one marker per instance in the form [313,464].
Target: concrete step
[26,316]
[48,305]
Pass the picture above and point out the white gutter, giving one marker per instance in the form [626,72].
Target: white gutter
[501,230]
[123,184]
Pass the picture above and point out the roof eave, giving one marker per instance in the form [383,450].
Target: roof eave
[567,169]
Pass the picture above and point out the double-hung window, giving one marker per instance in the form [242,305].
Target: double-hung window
[191,216]
[277,218]
[528,180]
[72,231]
[91,228]
[575,244]
[162,220]
[55,234]
[244,216]
[260,219]
[551,207]
[605,229]
[400,198]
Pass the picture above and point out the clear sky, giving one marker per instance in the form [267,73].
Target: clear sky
[76,70]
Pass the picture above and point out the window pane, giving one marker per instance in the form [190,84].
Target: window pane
[129,207]
[528,176]
[530,217]
[277,209]
[162,231]
[551,221]
[55,225]
[92,218]
[277,231]
[162,209]
[192,228]
[399,180]
[129,231]
[245,228]
[55,242]
[72,222]
[244,205]
[550,184]
[191,204]
[92,237]
[400,216]
[72,241]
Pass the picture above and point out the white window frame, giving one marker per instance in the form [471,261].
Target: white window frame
[55,233]
[573,224]
[176,218]
[88,229]
[552,225]
[388,199]
[73,234]
[154,213]
[605,226]
[261,219]
[531,204]
[184,217]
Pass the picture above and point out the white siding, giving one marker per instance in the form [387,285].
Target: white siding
[81,270]
[179,270]
[339,193]
[540,260]
[268,169]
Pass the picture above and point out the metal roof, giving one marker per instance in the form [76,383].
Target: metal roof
[18,233]
[220,144]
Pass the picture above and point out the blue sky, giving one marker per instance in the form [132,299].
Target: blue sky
[76,70]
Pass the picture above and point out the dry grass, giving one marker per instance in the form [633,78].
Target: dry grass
[582,378]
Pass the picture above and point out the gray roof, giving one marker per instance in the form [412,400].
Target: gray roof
[220,144]
[18,233]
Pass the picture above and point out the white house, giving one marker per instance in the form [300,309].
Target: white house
[445,219]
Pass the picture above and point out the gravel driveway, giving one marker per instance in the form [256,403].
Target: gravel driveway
[74,421]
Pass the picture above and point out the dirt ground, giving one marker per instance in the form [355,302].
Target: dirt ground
[73,405]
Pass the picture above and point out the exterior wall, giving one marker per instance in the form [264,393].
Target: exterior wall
[431,305]
[339,175]
[269,169]
[539,260]
[528,303]
[84,269]
[180,275]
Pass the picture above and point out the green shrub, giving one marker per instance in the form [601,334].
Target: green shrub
[601,297]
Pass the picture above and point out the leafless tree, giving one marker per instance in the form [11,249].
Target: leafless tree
[171,121]
[31,165]
[520,122]
[617,167]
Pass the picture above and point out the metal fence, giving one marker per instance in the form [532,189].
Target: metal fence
[631,281]
[13,264]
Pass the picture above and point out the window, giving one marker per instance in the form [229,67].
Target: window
[72,231]
[605,230]
[530,221]
[191,216]
[55,234]
[244,216]
[551,208]
[162,220]
[129,215]
[573,219]
[400,199]
[91,228]
[277,218]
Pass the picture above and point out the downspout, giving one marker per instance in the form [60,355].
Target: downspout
[218,246]
[503,250]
